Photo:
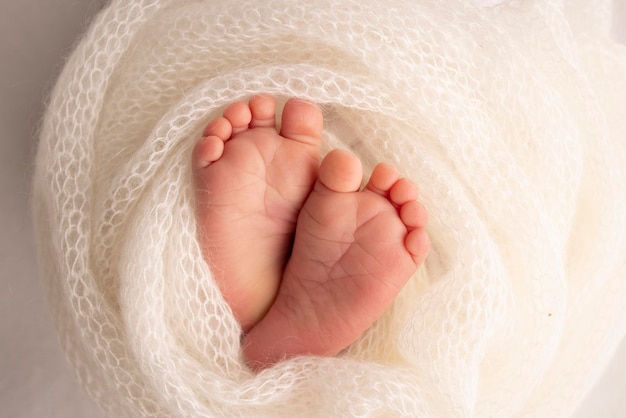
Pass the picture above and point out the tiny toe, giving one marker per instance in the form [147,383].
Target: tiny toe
[383,177]
[403,191]
[207,150]
[219,127]
[413,214]
[341,171]
[302,121]
[263,109]
[239,116]
[417,243]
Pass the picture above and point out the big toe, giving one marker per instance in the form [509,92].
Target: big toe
[302,121]
[341,171]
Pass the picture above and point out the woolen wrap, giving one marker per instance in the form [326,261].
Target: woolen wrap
[509,117]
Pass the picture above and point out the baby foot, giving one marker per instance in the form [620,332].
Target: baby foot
[353,252]
[251,182]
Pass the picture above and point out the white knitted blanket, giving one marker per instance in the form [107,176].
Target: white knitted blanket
[510,118]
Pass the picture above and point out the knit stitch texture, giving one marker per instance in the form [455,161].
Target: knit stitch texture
[510,118]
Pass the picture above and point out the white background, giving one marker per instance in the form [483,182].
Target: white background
[35,380]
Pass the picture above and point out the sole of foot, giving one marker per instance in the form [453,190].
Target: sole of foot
[251,180]
[353,252]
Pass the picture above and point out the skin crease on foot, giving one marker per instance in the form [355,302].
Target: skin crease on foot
[323,259]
